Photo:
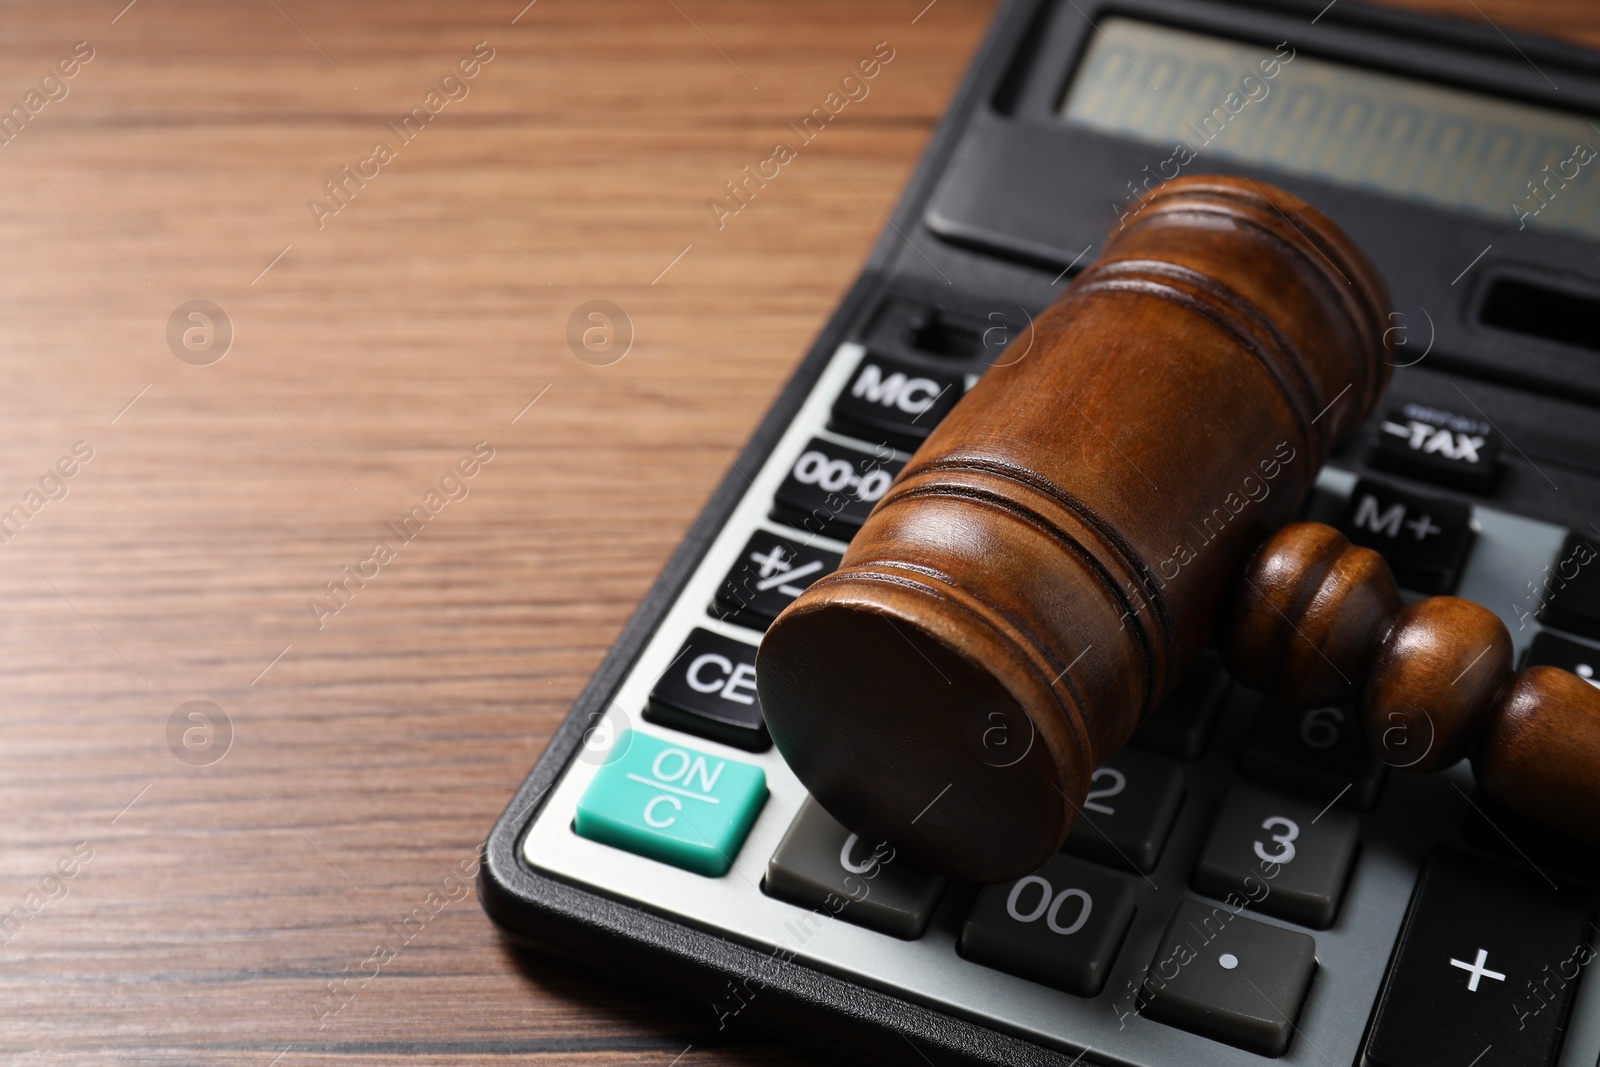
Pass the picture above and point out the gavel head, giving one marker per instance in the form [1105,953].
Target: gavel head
[1058,551]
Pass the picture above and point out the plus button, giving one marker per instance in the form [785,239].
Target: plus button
[1477,969]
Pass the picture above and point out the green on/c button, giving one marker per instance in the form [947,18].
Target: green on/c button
[673,804]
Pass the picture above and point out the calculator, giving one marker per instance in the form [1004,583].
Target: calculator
[1246,883]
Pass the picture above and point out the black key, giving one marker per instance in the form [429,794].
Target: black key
[831,489]
[710,691]
[1424,538]
[1488,958]
[1278,856]
[820,864]
[1322,506]
[1518,838]
[1229,978]
[894,401]
[1553,650]
[1181,725]
[769,573]
[1438,446]
[1061,925]
[1132,803]
[1569,589]
[1316,754]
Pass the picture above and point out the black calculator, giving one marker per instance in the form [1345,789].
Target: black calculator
[1409,921]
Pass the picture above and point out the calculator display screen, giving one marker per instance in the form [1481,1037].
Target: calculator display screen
[1200,97]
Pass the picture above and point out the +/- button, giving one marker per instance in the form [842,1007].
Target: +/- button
[820,863]
[709,690]
[768,574]
[672,803]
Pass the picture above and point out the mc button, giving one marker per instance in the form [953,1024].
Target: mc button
[893,401]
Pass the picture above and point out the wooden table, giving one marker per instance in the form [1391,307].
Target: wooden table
[161,910]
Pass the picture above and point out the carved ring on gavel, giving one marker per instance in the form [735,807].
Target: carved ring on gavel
[1065,543]
[1316,621]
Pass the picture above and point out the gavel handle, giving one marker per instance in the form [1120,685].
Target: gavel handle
[1316,620]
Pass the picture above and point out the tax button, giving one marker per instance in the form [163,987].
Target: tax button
[1438,446]
[672,803]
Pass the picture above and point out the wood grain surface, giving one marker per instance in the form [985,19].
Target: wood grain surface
[209,907]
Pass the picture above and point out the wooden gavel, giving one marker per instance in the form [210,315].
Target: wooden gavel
[1062,547]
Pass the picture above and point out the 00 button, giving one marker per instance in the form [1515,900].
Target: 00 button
[1061,925]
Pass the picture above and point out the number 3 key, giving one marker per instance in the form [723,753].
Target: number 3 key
[1278,856]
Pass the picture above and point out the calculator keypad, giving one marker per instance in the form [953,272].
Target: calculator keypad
[1061,925]
[1084,922]
[821,864]
[1229,978]
[1320,754]
[1279,856]
[1132,803]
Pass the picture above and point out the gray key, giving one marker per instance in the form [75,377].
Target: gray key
[1061,925]
[1278,856]
[820,863]
[1229,978]
[1132,803]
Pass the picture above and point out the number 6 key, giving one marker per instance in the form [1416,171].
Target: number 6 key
[1320,753]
